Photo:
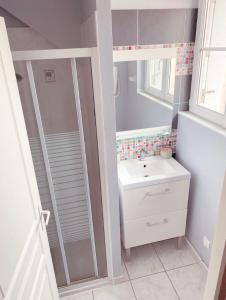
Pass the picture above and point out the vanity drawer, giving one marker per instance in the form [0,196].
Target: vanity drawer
[154,228]
[146,201]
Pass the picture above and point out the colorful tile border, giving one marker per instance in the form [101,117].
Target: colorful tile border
[185,55]
[130,148]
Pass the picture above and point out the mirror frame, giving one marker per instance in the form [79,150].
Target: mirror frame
[144,54]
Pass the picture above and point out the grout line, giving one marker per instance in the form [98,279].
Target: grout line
[132,279]
[181,267]
[166,272]
[133,289]
[142,275]
[153,246]
[172,285]
[92,294]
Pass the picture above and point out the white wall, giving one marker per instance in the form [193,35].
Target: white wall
[202,150]
[153,4]
[104,43]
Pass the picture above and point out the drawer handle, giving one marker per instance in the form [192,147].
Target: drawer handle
[166,190]
[164,221]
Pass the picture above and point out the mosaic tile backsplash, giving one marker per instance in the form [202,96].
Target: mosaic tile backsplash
[185,55]
[130,148]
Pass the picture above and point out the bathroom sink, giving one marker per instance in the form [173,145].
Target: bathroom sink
[152,170]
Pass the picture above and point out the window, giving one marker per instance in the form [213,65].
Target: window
[160,78]
[209,80]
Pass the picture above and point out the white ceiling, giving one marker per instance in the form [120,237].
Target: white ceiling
[153,4]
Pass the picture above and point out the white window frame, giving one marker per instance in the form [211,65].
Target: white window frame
[162,94]
[205,17]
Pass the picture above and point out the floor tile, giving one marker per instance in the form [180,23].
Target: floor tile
[172,257]
[189,282]
[122,291]
[80,296]
[143,262]
[154,287]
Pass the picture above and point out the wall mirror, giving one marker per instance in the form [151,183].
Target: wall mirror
[144,88]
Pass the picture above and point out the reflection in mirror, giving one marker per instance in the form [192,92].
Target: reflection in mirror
[159,78]
[144,92]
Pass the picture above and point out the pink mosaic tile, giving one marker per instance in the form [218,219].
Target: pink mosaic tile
[130,148]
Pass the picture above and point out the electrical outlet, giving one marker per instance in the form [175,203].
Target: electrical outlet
[206,242]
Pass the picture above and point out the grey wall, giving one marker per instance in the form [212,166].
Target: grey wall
[58,21]
[153,26]
[56,99]
[87,8]
[10,20]
[203,152]
[88,32]
[88,26]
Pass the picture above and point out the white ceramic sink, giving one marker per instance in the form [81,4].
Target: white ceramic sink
[152,170]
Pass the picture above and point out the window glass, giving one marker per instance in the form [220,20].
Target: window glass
[216,24]
[155,76]
[172,76]
[160,78]
[213,81]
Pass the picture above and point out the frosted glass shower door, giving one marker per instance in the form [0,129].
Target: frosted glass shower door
[54,118]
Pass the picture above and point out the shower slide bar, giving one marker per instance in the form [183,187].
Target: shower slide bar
[72,54]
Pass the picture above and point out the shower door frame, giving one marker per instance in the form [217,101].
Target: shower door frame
[33,55]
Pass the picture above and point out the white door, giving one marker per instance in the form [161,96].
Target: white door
[217,259]
[26,270]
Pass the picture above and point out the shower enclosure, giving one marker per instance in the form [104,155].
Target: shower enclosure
[56,89]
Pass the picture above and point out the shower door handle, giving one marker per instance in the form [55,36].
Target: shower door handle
[45,214]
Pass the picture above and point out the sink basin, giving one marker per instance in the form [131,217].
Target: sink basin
[148,168]
[152,170]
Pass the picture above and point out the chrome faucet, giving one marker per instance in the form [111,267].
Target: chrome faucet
[143,154]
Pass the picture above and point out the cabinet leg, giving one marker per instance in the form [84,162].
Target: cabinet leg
[180,242]
[128,253]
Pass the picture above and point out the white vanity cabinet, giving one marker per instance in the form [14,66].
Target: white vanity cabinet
[153,210]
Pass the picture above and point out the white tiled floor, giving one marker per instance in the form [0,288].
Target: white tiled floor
[188,281]
[155,286]
[122,291]
[172,257]
[158,272]
[143,262]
